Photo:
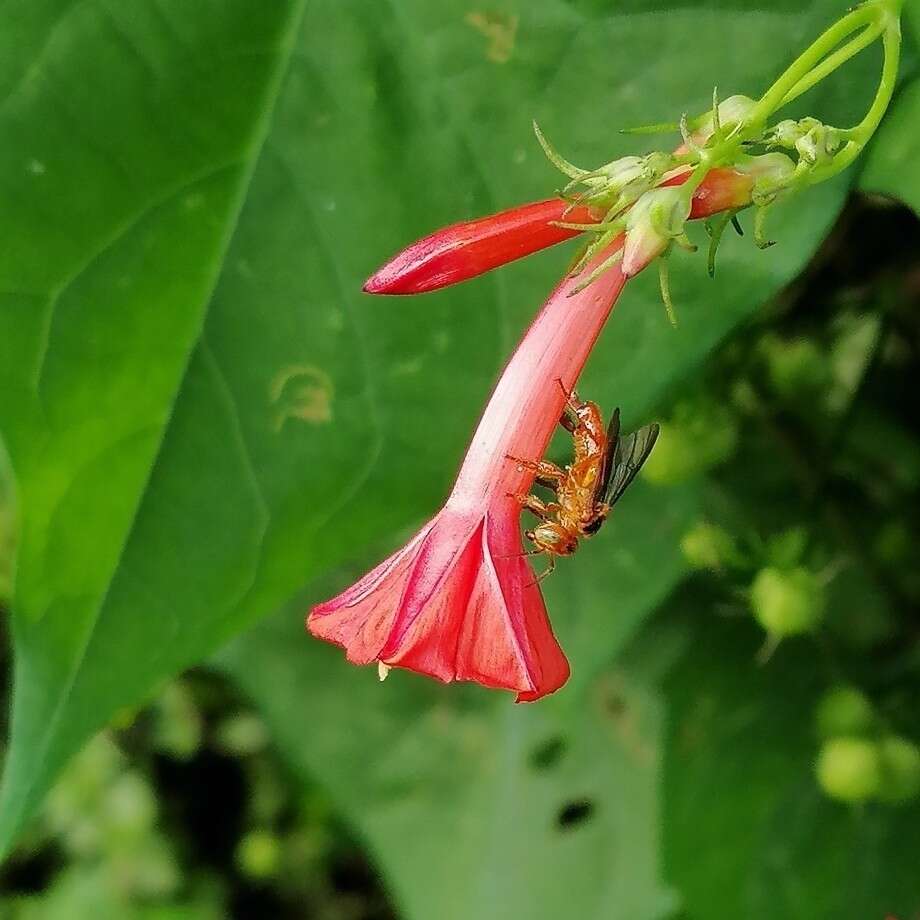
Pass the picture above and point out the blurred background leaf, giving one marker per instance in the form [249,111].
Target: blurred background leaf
[747,831]
[521,807]
[205,416]
[891,167]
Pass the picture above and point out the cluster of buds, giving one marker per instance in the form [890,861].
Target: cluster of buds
[459,601]
[728,151]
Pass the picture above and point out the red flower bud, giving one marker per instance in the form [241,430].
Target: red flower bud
[463,251]
[468,249]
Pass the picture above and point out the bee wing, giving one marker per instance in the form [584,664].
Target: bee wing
[613,438]
[629,455]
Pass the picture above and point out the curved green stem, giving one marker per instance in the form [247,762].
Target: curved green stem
[812,60]
[865,38]
[857,136]
[891,45]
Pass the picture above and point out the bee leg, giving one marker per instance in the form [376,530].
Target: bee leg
[569,419]
[550,568]
[571,397]
[534,504]
[548,474]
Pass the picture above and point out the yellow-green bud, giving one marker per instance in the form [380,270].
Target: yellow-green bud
[849,769]
[708,546]
[787,603]
[258,854]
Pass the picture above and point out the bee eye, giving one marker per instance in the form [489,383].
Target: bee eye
[529,534]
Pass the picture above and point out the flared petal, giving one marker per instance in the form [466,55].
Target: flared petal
[433,606]
[361,618]
[448,606]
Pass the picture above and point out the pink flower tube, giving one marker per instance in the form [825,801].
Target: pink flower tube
[459,602]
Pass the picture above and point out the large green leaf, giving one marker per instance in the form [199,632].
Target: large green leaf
[177,482]
[122,180]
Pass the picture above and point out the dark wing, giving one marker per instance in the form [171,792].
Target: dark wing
[613,438]
[630,453]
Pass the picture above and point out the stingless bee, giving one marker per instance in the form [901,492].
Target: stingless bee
[603,465]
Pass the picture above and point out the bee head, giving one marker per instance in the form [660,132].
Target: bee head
[550,537]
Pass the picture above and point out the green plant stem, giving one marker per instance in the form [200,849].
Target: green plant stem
[865,38]
[858,136]
[812,59]
[878,18]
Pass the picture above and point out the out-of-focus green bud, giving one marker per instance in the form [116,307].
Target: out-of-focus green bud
[708,546]
[844,710]
[900,769]
[242,734]
[177,727]
[130,806]
[73,806]
[700,434]
[849,769]
[258,854]
[787,603]
[796,368]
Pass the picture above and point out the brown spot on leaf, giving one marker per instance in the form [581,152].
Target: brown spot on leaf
[301,391]
[500,29]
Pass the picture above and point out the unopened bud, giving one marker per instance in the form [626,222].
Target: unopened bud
[731,111]
[654,220]
[774,167]
[786,133]
[849,769]
[787,603]
[708,546]
[621,182]
[811,139]
[622,171]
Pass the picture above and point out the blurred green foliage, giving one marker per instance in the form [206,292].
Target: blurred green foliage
[204,417]
[200,822]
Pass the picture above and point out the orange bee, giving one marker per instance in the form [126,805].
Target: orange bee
[604,464]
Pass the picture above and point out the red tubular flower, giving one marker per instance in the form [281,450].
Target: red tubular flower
[463,251]
[459,602]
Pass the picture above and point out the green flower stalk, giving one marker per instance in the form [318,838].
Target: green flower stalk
[732,157]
